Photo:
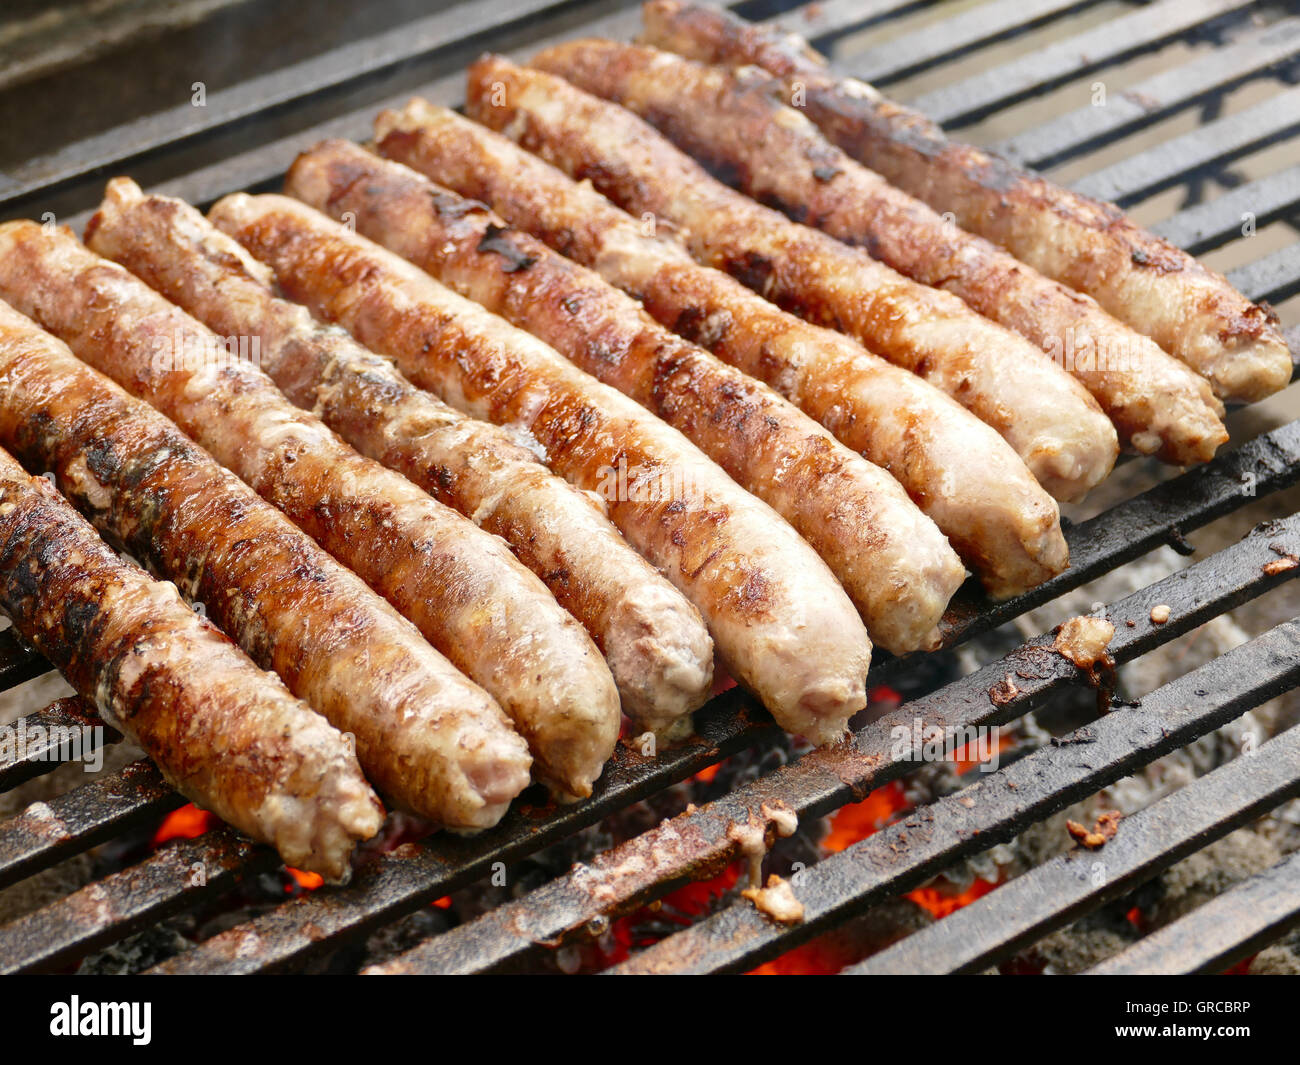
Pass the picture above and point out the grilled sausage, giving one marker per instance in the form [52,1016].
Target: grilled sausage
[223,733]
[462,587]
[925,330]
[428,738]
[957,469]
[653,639]
[1162,292]
[781,623]
[895,564]
[1002,522]
[732,123]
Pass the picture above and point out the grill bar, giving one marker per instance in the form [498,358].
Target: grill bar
[1275,277]
[262,168]
[1223,931]
[826,779]
[1209,225]
[1158,516]
[820,22]
[334,70]
[44,46]
[907,853]
[959,35]
[177,876]
[1131,109]
[1155,24]
[18,662]
[48,832]
[1169,163]
[414,875]
[47,752]
[1055,893]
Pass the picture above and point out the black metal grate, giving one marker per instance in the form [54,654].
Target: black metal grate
[187,153]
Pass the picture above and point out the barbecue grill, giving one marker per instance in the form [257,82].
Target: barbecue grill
[239,141]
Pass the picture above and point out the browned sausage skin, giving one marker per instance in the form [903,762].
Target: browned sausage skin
[764,150]
[925,330]
[653,639]
[462,587]
[781,623]
[428,739]
[895,564]
[596,140]
[1159,290]
[734,124]
[225,734]
[954,467]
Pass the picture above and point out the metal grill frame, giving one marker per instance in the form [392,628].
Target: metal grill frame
[166,146]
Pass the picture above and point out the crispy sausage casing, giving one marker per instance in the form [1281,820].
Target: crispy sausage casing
[954,467]
[764,150]
[652,637]
[782,624]
[461,586]
[426,736]
[925,330]
[1156,288]
[224,734]
[893,561]
[736,124]
[1007,527]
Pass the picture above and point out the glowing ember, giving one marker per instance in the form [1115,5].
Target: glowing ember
[301,880]
[966,758]
[821,957]
[646,926]
[826,954]
[189,822]
[859,820]
[883,693]
[941,903]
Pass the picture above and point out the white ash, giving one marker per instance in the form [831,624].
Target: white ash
[1280,832]
[1201,876]
[1087,942]
[1280,959]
